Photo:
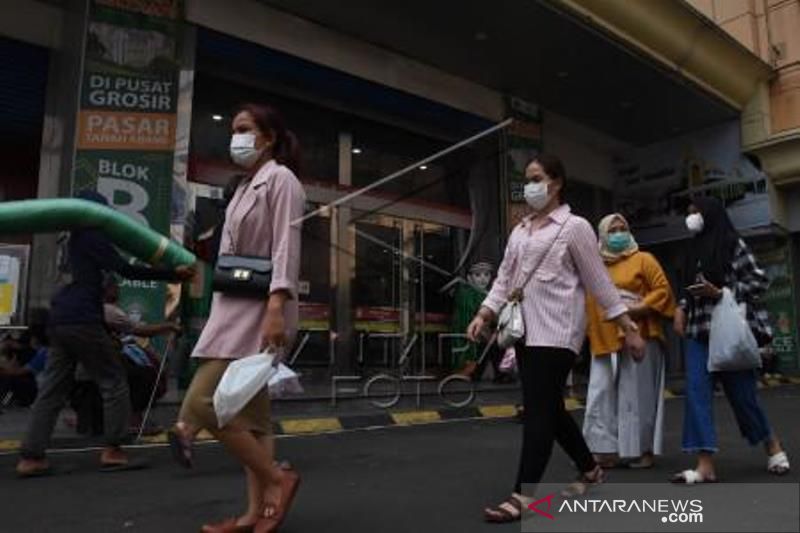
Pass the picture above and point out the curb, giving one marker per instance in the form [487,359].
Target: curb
[323,425]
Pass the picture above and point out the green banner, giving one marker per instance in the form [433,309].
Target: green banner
[135,183]
[126,123]
[779,301]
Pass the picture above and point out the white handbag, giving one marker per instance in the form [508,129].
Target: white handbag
[510,322]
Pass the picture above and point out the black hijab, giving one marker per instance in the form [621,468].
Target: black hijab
[713,248]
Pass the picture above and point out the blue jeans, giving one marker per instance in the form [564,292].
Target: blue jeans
[699,434]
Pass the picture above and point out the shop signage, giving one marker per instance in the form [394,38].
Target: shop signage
[13,283]
[654,183]
[127,118]
[779,300]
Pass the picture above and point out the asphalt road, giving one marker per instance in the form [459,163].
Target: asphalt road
[430,478]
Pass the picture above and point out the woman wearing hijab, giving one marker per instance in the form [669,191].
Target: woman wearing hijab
[719,258]
[625,403]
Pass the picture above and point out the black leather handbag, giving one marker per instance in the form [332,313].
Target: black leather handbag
[243,276]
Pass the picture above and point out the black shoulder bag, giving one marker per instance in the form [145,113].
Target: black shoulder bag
[242,275]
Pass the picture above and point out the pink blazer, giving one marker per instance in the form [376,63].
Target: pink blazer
[258,222]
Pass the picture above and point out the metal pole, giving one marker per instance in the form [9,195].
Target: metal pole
[422,293]
[406,170]
[167,351]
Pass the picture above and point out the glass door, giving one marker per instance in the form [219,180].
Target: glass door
[378,291]
[402,303]
[434,258]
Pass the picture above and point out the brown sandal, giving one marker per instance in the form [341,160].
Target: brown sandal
[506,512]
[584,482]
[289,485]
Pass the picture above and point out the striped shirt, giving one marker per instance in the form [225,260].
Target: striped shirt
[553,303]
[748,283]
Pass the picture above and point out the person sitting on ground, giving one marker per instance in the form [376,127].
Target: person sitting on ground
[141,366]
[141,362]
[18,385]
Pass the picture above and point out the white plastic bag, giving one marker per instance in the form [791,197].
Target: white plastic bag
[242,380]
[510,325]
[732,345]
[284,382]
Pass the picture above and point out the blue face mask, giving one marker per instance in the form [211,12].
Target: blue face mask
[619,242]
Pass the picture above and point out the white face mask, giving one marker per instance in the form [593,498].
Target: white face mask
[243,149]
[695,223]
[536,194]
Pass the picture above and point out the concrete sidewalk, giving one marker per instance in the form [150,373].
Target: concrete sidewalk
[427,478]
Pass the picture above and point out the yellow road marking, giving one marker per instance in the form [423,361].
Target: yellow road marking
[155,439]
[498,411]
[310,425]
[415,417]
[10,445]
[205,435]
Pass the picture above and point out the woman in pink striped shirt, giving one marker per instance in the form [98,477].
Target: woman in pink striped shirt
[564,247]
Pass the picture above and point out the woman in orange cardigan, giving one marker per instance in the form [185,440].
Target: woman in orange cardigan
[625,403]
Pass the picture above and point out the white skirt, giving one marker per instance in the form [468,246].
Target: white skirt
[625,403]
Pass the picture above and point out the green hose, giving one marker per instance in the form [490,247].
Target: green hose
[64,214]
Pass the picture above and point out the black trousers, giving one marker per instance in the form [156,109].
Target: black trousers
[543,374]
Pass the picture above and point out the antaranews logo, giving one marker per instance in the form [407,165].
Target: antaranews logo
[671,511]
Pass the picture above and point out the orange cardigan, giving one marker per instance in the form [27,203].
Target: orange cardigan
[640,274]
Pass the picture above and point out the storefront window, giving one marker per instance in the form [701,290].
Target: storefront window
[380,150]
[315,260]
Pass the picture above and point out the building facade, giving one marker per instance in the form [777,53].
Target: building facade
[647,103]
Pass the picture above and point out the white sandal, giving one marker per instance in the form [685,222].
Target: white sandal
[691,477]
[778,464]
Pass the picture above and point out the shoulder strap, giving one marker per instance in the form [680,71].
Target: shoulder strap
[516,294]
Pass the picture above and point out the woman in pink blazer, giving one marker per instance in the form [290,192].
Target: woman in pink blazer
[258,222]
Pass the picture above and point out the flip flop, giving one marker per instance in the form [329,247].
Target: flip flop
[289,486]
[137,464]
[778,464]
[691,477]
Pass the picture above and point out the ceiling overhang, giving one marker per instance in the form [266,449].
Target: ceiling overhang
[682,39]
[640,71]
